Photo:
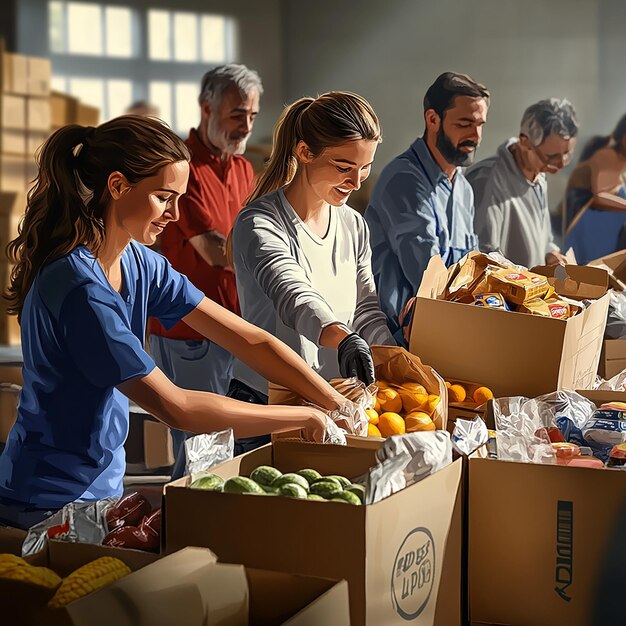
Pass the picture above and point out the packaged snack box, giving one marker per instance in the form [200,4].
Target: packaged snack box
[553,307]
[518,287]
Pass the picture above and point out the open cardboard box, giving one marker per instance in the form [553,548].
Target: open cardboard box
[538,538]
[615,264]
[185,588]
[613,358]
[400,555]
[512,353]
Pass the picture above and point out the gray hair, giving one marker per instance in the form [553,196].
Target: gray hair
[549,117]
[216,81]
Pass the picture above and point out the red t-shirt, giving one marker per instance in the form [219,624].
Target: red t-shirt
[216,192]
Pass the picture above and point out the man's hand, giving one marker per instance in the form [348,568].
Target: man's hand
[211,246]
[555,258]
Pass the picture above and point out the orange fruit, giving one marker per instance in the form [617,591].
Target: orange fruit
[376,406]
[381,384]
[418,421]
[412,401]
[456,393]
[389,400]
[391,423]
[372,431]
[448,384]
[372,416]
[415,387]
[433,402]
[482,394]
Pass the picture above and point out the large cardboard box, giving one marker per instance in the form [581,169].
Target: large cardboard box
[14,73]
[613,358]
[187,588]
[38,114]
[63,109]
[87,115]
[392,553]
[39,76]
[158,449]
[13,171]
[13,111]
[616,265]
[511,353]
[538,536]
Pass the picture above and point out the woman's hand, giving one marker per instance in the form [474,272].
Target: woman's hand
[315,426]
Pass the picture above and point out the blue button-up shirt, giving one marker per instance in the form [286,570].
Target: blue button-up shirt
[415,212]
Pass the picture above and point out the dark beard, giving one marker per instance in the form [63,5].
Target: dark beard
[451,153]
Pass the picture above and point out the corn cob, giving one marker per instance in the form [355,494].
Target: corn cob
[10,561]
[88,578]
[16,568]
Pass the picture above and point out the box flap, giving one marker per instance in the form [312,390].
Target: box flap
[576,281]
[187,587]
[434,278]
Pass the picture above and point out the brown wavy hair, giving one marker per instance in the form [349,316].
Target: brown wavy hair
[67,203]
[323,122]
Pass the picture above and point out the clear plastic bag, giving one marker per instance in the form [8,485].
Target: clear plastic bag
[469,435]
[617,383]
[403,460]
[351,416]
[616,323]
[204,451]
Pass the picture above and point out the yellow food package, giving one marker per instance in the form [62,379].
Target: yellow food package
[553,307]
[517,286]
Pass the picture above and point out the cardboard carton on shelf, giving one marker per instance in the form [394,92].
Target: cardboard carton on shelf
[539,537]
[38,114]
[401,556]
[34,141]
[13,172]
[66,109]
[512,353]
[12,206]
[39,76]
[13,142]
[14,77]
[13,112]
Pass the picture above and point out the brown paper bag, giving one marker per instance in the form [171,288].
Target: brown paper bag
[396,365]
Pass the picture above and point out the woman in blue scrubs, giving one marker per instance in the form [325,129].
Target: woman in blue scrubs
[83,286]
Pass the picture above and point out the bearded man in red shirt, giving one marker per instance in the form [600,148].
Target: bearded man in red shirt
[220,180]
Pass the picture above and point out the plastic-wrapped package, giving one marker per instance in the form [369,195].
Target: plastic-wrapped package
[469,435]
[616,323]
[403,460]
[80,522]
[605,429]
[204,451]
[617,383]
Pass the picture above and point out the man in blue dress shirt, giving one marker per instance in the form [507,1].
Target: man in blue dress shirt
[422,205]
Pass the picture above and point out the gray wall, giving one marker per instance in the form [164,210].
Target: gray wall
[259,46]
[523,50]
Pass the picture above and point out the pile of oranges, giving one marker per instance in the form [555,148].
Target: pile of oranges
[471,394]
[400,409]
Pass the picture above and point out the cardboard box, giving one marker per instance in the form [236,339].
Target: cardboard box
[11,373]
[615,264]
[12,206]
[613,358]
[87,115]
[63,109]
[14,73]
[538,535]
[391,553]
[34,141]
[186,588]
[39,76]
[13,170]
[13,112]
[38,114]
[13,142]
[158,448]
[511,353]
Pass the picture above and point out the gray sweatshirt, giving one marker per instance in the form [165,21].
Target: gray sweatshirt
[293,283]
[511,213]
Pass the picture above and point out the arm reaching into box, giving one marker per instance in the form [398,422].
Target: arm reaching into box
[202,412]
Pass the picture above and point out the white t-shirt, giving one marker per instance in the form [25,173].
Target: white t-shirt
[293,283]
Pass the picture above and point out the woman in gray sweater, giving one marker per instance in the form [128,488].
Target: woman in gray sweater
[301,255]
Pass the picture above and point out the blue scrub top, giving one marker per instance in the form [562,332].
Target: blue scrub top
[415,213]
[81,338]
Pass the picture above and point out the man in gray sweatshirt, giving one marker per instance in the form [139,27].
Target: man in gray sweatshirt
[510,188]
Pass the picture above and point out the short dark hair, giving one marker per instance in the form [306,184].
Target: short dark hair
[447,86]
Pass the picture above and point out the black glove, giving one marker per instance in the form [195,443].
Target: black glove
[355,359]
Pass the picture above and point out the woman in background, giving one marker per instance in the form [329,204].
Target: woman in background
[302,257]
[595,200]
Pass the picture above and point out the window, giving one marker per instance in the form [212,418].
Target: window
[88,29]
[188,37]
[186,103]
[160,94]
[112,96]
